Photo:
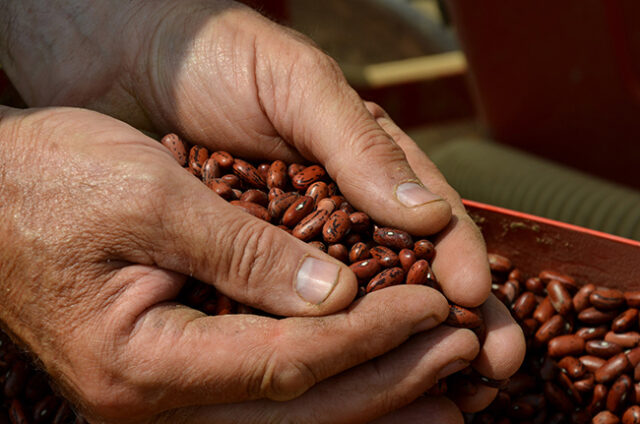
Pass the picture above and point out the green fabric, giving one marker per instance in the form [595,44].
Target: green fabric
[498,175]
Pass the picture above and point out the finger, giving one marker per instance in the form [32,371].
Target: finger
[366,392]
[504,347]
[501,355]
[461,260]
[174,356]
[425,410]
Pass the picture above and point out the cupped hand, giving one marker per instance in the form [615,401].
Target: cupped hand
[100,225]
[222,76]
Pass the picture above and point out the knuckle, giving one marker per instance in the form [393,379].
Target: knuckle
[284,377]
[253,255]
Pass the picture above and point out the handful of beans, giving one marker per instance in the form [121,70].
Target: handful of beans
[583,343]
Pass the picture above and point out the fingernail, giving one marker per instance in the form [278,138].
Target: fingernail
[425,324]
[452,367]
[316,279]
[413,194]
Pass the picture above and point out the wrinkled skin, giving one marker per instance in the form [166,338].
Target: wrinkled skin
[99,226]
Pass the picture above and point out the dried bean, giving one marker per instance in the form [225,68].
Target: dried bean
[311,225]
[277,175]
[612,369]
[386,278]
[307,176]
[393,238]
[606,299]
[176,147]
[299,209]
[499,263]
[336,227]
[559,297]
[602,348]
[248,173]
[385,256]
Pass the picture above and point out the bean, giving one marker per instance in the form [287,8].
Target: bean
[535,285]
[45,410]
[385,256]
[550,329]
[607,299]
[277,175]
[318,245]
[568,281]
[16,379]
[585,384]
[559,297]
[386,278]
[328,204]
[499,263]
[634,356]
[631,415]
[602,348]
[198,155]
[210,170]
[463,317]
[507,293]
[591,333]
[16,413]
[253,209]
[276,192]
[557,397]
[279,204]
[393,238]
[632,298]
[544,311]
[605,417]
[224,159]
[595,316]
[618,393]
[176,147]
[612,369]
[598,399]
[625,321]
[573,393]
[360,221]
[420,273]
[424,249]
[572,366]
[255,196]
[515,274]
[568,344]
[232,180]
[581,299]
[359,251]
[366,268]
[592,363]
[294,168]
[336,227]
[307,176]
[300,208]
[339,251]
[626,340]
[407,258]
[524,305]
[317,191]
[311,225]
[248,173]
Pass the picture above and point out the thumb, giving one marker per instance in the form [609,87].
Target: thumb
[326,121]
[247,259]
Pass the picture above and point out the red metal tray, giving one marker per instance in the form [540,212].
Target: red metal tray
[534,243]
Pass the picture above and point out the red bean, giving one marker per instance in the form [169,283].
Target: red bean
[360,221]
[544,311]
[595,316]
[424,249]
[607,299]
[612,369]
[605,417]
[253,209]
[317,191]
[618,393]
[358,252]
[248,173]
[550,329]
[308,176]
[568,344]
[631,415]
[524,305]
[279,204]
[602,348]
[366,268]
[581,299]
[407,258]
[625,321]
[198,155]
[626,340]
[277,175]
[300,208]
[499,263]
[311,225]
[420,273]
[393,238]
[591,333]
[385,256]
[386,278]
[559,297]
[339,251]
[176,147]
[572,366]
[224,159]
[463,317]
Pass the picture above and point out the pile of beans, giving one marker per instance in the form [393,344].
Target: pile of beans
[583,351]
[26,394]
[582,358]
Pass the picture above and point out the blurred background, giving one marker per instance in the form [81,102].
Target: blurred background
[531,105]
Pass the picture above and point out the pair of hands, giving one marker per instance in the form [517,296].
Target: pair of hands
[100,226]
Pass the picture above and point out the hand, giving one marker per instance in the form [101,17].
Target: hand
[222,76]
[99,227]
